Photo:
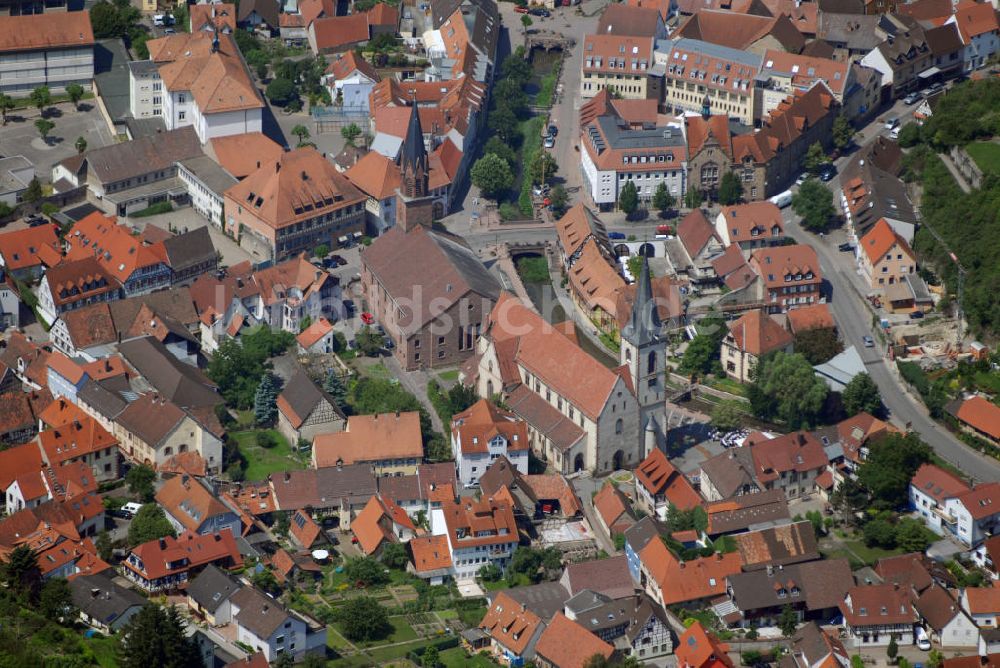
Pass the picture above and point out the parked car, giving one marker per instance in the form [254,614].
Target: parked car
[827,172]
[894,133]
[549,142]
[781,200]
[349,306]
[916,315]
[890,123]
[616,235]
[913,98]
[129,510]
[538,11]
[868,341]
[521,10]
[553,131]
[923,641]
[169,31]
[802,178]
[339,260]
[845,247]
[664,229]
[367,318]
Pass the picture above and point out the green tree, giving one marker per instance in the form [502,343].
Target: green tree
[105,550]
[44,127]
[238,365]
[692,198]
[509,93]
[786,387]
[140,479]
[496,146]
[663,201]
[909,135]
[597,660]
[266,582]
[490,573]
[893,649]
[728,415]
[265,407]
[889,467]
[366,572]
[41,98]
[182,18]
[857,661]
[80,144]
[21,573]
[6,104]
[302,132]
[558,199]
[814,202]
[879,533]
[321,251]
[155,637]
[628,198]
[543,167]
[281,524]
[730,189]
[818,345]
[281,92]
[75,93]
[34,191]
[935,659]
[516,67]
[526,21]
[363,619]
[912,535]
[149,524]
[431,658]
[788,621]
[334,386]
[702,353]
[109,20]
[56,600]
[394,555]
[862,395]
[369,341]
[492,175]
[815,158]
[503,122]
[843,132]
[350,133]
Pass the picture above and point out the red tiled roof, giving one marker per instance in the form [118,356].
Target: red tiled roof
[483,422]
[156,555]
[314,332]
[937,483]
[566,644]
[27,248]
[880,240]
[374,523]
[73,440]
[509,624]
[383,14]
[45,31]
[696,648]
[974,19]
[757,333]
[682,582]
[753,221]
[304,529]
[430,553]
[980,413]
[612,506]
[811,316]
[338,32]
[878,605]
[659,476]
[369,438]
[242,155]
[799,451]
[982,500]
[983,600]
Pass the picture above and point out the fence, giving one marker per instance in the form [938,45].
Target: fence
[331,119]
[967,167]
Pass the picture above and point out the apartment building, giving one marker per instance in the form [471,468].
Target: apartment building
[884,257]
[791,275]
[708,78]
[617,63]
[206,85]
[484,433]
[145,88]
[783,73]
[624,143]
[479,533]
[293,204]
[54,50]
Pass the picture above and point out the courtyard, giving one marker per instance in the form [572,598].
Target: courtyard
[20,137]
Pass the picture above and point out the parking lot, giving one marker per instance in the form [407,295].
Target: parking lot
[19,136]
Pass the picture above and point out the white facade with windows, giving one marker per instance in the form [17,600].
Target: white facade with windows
[23,71]
[471,465]
[145,89]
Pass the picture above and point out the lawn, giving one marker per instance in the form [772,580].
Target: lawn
[986,155]
[105,651]
[856,549]
[263,461]
[522,581]
[449,376]
[457,658]
[401,631]
[728,385]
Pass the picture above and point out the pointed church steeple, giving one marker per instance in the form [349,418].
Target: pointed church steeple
[644,324]
[413,160]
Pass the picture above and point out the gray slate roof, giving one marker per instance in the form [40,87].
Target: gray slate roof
[212,588]
[545,599]
[9,182]
[190,248]
[303,396]
[143,155]
[101,599]
[821,584]
[181,383]
[210,173]
[258,613]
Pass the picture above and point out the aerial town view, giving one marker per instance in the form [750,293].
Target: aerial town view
[521,334]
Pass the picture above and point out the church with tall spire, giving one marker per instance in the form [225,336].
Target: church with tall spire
[643,352]
[415,205]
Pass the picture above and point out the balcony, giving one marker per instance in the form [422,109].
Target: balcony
[945,517]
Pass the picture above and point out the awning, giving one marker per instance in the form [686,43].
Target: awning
[929,72]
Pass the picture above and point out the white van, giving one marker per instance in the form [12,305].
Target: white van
[781,200]
[159,20]
[130,509]
[923,641]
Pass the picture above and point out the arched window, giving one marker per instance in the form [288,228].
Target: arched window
[651,362]
[167,451]
[619,426]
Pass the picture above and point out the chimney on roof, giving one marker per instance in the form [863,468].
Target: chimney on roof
[288,476]
[184,480]
[681,564]
[277,167]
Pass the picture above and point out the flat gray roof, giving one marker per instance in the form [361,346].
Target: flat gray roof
[111,75]
[209,173]
[709,49]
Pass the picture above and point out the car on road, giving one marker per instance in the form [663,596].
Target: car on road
[367,318]
[616,235]
[549,142]
[521,10]
[553,131]
[913,98]
[664,229]
[890,123]
[845,247]
[894,133]
[868,341]
[827,172]
[540,189]
[935,87]
[916,315]
[538,11]
[802,178]
[338,260]
[349,306]
[129,510]
[169,31]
